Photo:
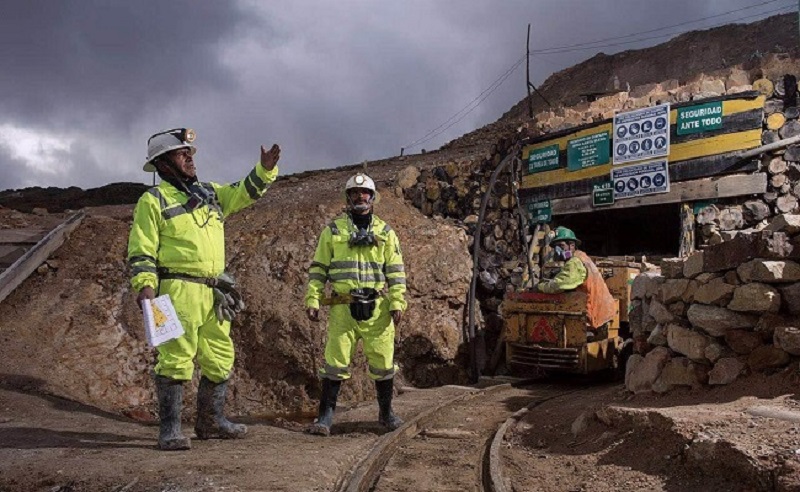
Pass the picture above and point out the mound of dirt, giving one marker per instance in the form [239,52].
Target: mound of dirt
[76,331]
[742,437]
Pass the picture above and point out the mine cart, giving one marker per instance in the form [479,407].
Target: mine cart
[550,332]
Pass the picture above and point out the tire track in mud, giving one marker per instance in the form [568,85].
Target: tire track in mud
[449,447]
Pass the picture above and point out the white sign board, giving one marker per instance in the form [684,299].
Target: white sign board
[641,134]
[647,178]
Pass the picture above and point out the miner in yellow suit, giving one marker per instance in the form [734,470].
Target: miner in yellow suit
[359,254]
[177,247]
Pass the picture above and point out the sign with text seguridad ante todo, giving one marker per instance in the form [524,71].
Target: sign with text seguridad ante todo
[700,118]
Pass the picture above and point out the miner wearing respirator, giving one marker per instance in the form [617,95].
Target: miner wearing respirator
[359,254]
[177,247]
[579,273]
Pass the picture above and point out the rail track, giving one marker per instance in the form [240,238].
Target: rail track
[455,445]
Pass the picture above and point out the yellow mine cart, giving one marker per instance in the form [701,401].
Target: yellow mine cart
[549,331]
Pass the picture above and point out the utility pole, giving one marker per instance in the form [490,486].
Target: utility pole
[528,71]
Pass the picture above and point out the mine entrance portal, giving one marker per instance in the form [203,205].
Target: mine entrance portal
[653,231]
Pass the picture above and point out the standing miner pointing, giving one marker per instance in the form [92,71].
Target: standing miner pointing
[177,247]
[360,255]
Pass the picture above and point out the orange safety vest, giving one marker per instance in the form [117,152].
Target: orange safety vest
[599,301]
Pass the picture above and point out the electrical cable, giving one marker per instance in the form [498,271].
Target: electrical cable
[554,51]
[542,50]
[590,45]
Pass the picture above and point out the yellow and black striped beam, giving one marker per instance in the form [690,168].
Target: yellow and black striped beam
[691,156]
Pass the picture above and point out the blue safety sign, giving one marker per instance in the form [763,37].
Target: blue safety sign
[641,134]
[646,178]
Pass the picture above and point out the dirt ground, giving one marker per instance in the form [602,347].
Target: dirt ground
[594,437]
[607,439]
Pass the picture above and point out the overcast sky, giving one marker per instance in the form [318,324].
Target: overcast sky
[85,83]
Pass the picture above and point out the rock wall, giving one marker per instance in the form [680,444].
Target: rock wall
[729,309]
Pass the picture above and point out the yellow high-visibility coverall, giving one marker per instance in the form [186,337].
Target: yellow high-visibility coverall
[351,267]
[165,235]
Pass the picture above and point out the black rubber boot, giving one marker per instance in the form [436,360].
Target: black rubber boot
[386,417]
[211,421]
[170,400]
[327,406]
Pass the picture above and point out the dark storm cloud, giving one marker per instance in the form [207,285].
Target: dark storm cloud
[333,82]
[76,62]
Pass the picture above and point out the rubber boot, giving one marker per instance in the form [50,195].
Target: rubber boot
[211,421]
[386,417]
[327,407]
[170,400]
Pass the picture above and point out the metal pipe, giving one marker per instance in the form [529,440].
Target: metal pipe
[768,147]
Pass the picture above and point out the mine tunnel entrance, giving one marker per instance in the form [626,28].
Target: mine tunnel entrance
[653,231]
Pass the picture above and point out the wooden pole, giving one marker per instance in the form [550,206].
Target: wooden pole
[528,72]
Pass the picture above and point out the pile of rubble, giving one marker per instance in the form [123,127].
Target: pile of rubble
[723,311]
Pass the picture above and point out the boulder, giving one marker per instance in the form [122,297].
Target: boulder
[680,371]
[645,285]
[660,313]
[716,321]
[673,290]
[716,292]
[658,337]
[693,266]
[688,342]
[743,341]
[791,298]
[767,357]
[715,351]
[768,322]
[407,177]
[725,371]
[672,267]
[788,339]
[730,254]
[642,372]
[755,298]
[788,223]
[678,309]
[769,271]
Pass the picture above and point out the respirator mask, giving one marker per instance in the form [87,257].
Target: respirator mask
[561,253]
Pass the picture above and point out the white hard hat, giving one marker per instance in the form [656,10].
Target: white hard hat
[162,142]
[360,181]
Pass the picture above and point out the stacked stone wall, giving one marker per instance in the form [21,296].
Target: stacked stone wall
[728,310]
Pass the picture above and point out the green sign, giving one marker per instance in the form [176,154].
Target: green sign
[700,118]
[540,211]
[603,194]
[543,159]
[588,151]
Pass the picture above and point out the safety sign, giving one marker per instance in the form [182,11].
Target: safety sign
[700,118]
[603,194]
[540,211]
[641,134]
[588,151]
[543,159]
[647,178]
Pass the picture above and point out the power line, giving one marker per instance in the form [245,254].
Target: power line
[552,51]
[474,103]
[587,43]
[590,45]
